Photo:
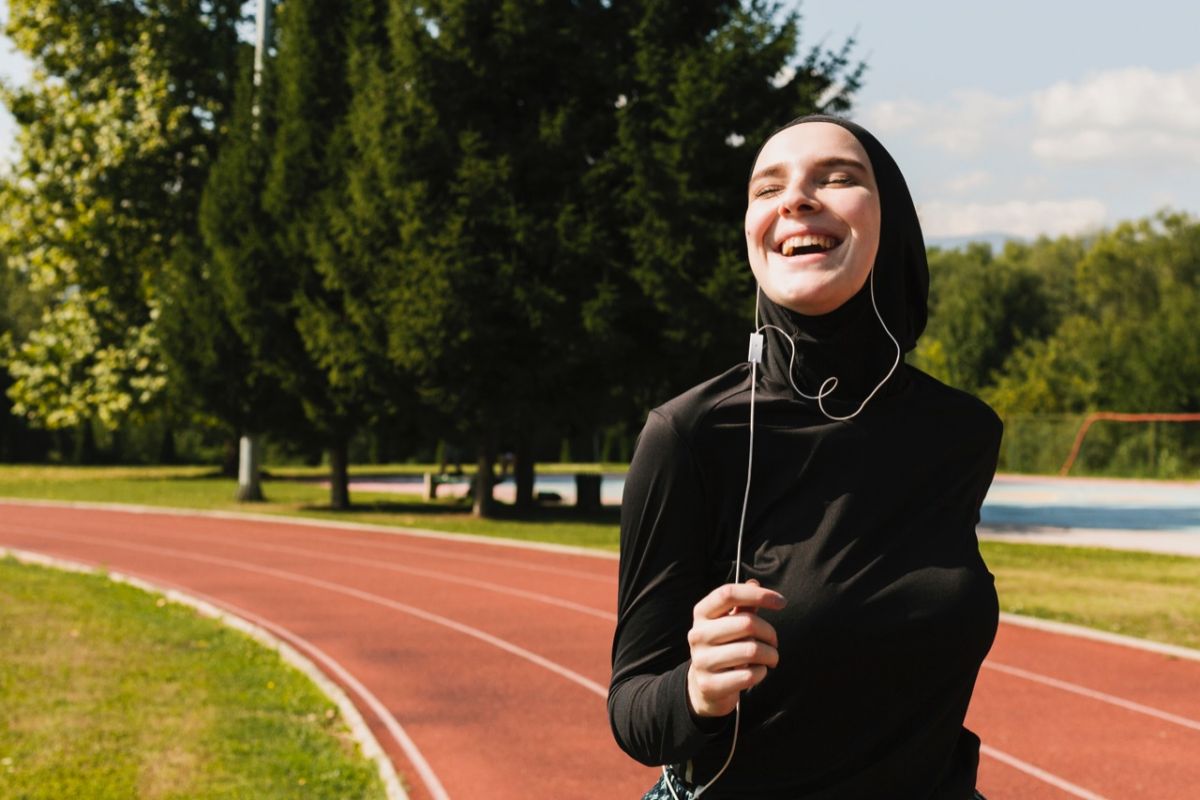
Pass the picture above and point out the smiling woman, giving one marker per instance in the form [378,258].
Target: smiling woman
[812,220]
[816,631]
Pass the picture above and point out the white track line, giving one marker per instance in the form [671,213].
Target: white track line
[1103,697]
[1039,773]
[399,735]
[282,519]
[1080,632]
[445,577]
[338,588]
[503,562]
[271,634]
[538,597]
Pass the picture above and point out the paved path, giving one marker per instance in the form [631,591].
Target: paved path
[1156,516]
[481,666]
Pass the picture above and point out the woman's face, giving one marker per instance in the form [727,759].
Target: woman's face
[812,220]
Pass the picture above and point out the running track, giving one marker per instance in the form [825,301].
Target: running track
[481,666]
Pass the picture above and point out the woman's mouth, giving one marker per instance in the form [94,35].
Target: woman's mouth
[806,244]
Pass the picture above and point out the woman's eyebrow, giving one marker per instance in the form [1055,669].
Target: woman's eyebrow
[841,161]
[780,170]
[773,171]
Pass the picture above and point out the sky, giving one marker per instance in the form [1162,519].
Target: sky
[1017,119]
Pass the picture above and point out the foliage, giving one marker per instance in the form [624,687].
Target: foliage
[64,374]
[1128,340]
[116,131]
[1105,322]
[541,199]
[702,85]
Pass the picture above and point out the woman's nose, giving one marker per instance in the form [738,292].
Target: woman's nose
[798,199]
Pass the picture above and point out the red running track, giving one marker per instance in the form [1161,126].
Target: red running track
[481,666]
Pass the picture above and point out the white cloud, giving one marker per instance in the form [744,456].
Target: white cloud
[1015,217]
[1133,115]
[962,125]
[967,181]
[1126,146]
[1122,99]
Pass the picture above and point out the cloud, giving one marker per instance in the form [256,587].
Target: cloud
[1015,217]
[1136,145]
[1120,116]
[962,125]
[967,181]
[1124,98]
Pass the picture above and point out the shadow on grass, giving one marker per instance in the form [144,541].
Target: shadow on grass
[607,515]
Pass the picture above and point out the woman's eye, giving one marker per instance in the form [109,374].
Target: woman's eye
[841,180]
[766,191]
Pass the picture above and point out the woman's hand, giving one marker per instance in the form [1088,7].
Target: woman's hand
[732,647]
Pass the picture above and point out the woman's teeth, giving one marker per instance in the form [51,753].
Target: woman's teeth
[809,243]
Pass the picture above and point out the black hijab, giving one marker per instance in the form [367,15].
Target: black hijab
[848,342]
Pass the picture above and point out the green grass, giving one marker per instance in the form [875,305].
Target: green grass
[1137,594]
[295,491]
[107,691]
[1147,595]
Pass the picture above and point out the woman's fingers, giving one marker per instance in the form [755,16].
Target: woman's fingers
[730,596]
[730,628]
[732,647]
[746,652]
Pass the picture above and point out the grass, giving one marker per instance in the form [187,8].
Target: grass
[295,491]
[107,691]
[1137,594]
[1147,595]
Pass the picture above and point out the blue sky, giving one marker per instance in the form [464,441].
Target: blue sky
[1018,118]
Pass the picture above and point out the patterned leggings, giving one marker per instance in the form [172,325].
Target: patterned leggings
[659,791]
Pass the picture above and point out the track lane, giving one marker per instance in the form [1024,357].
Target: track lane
[588,650]
[516,716]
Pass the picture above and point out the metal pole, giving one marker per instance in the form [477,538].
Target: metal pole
[262,36]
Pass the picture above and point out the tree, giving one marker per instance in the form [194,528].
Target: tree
[116,131]
[1127,341]
[702,86]
[336,377]
[983,309]
[262,217]
[515,153]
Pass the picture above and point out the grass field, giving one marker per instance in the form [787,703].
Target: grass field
[107,691]
[1137,594]
[295,491]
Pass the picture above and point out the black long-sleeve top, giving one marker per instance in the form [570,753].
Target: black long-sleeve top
[867,527]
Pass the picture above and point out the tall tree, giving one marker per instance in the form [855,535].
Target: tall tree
[263,217]
[336,380]
[116,132]
[702,84]
[539,166]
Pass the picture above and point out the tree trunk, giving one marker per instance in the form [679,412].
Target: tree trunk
[339,474]
[249,488]
[166,448]
[229,458]
[484,505]
[525,475]
[85,443]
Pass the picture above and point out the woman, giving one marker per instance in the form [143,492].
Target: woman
[835,658]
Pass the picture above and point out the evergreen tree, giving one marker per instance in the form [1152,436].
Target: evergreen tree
[538,189]
[702,85]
